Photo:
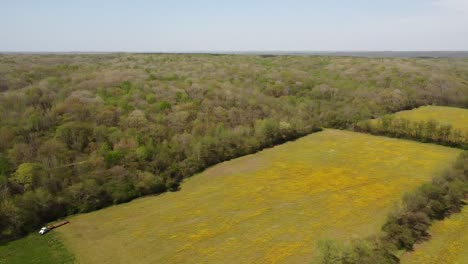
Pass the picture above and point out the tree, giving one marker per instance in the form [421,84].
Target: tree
[108,116]
[3,84]
[136,119]
[443,133]
[75,135]
[4,188]
[163,106]
[29,175]
[147,183]
[5,166]
[12,223]
[430,129]
[144,153]
[386,123]
[53,153]
[87,195]
[113,157]
[267,130]
[6,138]
[21,153]
[74,109]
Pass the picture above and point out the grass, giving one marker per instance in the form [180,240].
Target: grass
[448,243]
[271,207]
[457,117]
[35,249]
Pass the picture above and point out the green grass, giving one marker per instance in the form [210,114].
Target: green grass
[35,249]
[457,117]
[448,243]
[271,207]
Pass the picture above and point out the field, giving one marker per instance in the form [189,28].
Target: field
[271,207]
[446,126]
[457,117]
[447,244]
[80,132]
[35,249]
[449,237]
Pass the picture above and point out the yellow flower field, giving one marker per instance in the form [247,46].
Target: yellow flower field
[447,245]
[457,117]
[270,207]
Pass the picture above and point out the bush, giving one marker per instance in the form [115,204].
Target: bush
[369,251]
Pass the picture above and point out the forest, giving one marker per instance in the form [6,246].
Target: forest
[80,132]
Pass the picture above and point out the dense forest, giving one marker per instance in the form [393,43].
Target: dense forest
[80,132]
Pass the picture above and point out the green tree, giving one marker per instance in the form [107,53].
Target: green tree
[5,166]
[53,153]
[29,175]
[12,224]
[147,183]
[75,135]
[268,130]
[113,157]
[430,129]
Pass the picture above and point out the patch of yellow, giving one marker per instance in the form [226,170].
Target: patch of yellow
[271,207]
[457,117]
[448,244]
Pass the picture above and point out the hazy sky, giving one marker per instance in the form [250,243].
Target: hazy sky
[236,25]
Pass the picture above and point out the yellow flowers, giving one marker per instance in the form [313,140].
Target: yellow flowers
[270,207]
[447,244]
[457,117]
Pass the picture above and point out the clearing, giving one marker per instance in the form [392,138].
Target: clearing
[270,207]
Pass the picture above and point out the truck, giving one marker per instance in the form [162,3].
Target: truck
[46,229]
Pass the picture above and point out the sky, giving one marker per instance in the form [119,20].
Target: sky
[236,25]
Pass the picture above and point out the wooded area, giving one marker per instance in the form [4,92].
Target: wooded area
[81,132]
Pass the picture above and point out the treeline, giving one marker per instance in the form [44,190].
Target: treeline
[81,132]
[39,192]
[408,225]
[423,131]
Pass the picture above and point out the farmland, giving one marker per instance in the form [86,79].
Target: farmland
[441,125]
[447,245]
[271,207]
[456,117]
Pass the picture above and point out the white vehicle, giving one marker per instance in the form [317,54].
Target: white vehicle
[44,230]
